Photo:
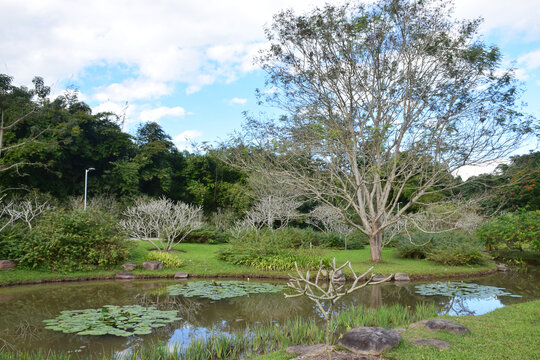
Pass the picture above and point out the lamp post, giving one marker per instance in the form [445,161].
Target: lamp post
[86,184]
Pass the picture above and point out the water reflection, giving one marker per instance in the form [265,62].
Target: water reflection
[22,310]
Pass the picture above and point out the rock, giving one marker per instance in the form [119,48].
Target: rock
[440,324]
[338,277]
[6,264]
[418,324]
[129,266]
[402,277]
[318,352]
[181,275]
[400,330]
[124,276]
[502,267]
[369,340]
[434,342]
[378,278]
[152,265]
[306,350]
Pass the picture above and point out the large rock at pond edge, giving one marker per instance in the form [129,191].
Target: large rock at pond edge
[369,340]
[378,278]
[6,264]
[434,342]
[440,324]
[124,276]
[152,265]
[402,277]
[181,275]
[502,267]
[129,266]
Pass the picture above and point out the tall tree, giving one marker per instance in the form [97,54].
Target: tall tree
[19,105]
[377,97]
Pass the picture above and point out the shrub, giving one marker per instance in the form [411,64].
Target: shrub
[273,250]
[467,252]
[74,240]
[207,234]
[517,230]
[168,259]
[449,248]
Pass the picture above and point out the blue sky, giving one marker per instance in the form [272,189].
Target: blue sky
[187,64]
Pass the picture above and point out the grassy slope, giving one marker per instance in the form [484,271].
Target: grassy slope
[201,260]
[507,333]
[512,332]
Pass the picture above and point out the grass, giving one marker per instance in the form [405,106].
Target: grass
[202,260]
[505,334]
[511,332]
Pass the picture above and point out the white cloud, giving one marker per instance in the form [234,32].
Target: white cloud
[238,101]
[165,41]
[132,89]
[184,140]
[517,19]
[530,60]
[160,112]
[474,170]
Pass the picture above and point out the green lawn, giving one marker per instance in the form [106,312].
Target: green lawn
[504,334]
[201,260]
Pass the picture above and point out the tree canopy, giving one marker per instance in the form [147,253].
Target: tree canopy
[382,102]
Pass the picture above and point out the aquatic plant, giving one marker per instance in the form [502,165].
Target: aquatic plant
[217,290]
[112,320]
[468,290]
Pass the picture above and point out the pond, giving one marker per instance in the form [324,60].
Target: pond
[23,309]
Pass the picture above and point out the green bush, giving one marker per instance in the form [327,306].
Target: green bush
[76,240]
[273,250]
[458,252]
[11,241]
[169,260]
[519,230]
[207,234]
[449,248]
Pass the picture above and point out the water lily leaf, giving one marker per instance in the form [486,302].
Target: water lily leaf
[465,290]
[217,290]
[111,320]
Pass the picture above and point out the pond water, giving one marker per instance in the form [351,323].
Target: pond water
[23,308]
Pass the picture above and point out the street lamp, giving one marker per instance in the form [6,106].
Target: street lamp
[86,184]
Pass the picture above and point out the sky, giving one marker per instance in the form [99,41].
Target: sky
[188,65]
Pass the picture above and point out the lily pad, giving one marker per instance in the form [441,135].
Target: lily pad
[217,290]
[468,290]
[111,320]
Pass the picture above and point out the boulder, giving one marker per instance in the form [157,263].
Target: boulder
[152,265]
[6,264]
[338,277]
[181,275]
[124,276]
[129,266]
[402,277]
[440,324]
[306,350]
[318,352]
[434,342]
[502,267]
[369,340]
[378,278]
[418,324]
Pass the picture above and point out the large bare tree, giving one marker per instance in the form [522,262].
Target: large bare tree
[379,101]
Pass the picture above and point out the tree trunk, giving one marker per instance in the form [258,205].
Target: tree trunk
[375,242]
